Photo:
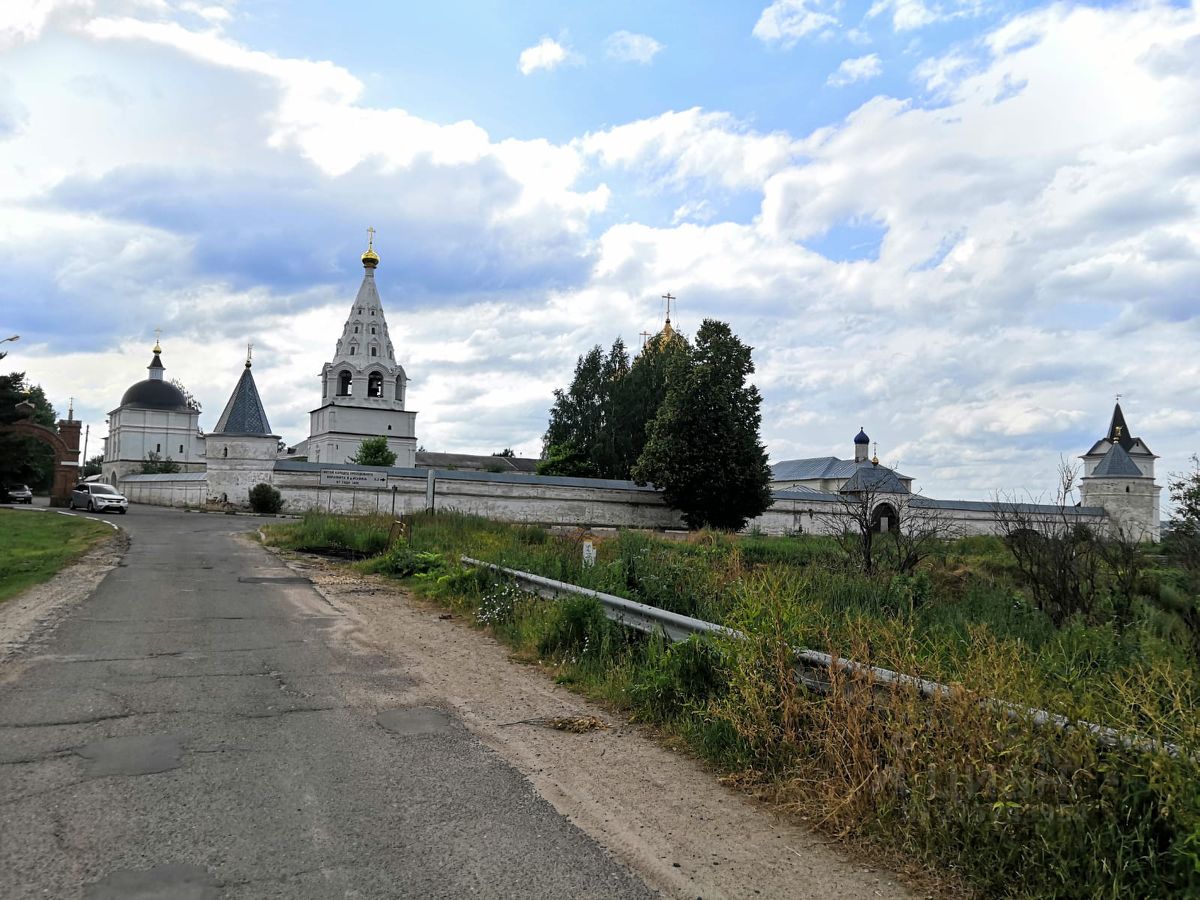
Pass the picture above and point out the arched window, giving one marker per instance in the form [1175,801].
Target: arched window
[375,384]
[344,380]
[356,329]
[372,329]
[400,388]
[374,351]
[352,349]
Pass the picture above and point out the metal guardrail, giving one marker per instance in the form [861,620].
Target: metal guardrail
[812,666]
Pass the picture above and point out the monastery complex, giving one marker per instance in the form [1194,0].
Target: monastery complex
[362,394]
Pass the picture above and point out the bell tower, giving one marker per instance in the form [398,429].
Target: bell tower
[363,388]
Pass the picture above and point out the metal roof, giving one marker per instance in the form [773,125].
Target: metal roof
[1116,464]
[244,413]
[813,468]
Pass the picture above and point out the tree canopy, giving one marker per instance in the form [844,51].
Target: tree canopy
[374,452]
[581,438]
[24,459]
[702,448]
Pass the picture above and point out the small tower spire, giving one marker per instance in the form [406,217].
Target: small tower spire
[156,366]
[249,354]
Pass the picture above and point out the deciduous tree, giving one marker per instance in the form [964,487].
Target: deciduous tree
[23,459]
[374,452]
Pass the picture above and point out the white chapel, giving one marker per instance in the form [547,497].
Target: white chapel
[363,387]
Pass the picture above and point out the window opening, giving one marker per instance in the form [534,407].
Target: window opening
[344,384]
[375,385]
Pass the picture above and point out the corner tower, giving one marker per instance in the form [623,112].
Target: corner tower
[363,387]
[1118,475]
[241,449]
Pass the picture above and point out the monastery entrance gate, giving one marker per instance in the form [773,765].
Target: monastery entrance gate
[65,444]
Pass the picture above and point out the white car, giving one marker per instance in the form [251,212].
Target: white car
[96,497]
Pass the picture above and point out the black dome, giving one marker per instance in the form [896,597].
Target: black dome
[153,394]
[861,437]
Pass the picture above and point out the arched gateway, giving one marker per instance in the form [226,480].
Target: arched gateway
[65,444]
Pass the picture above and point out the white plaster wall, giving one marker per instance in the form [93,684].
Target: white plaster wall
[134,433]
[157,490]
[237,463]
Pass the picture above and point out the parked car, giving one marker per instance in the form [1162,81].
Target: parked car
[15,493]
[97,497]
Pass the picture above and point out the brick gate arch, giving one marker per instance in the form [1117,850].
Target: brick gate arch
[65,443]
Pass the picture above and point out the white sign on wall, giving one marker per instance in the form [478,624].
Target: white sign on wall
[352,478]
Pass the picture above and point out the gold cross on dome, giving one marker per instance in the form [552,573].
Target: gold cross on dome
[370,237]
[668,297]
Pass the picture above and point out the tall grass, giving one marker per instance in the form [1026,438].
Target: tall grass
[1014,808]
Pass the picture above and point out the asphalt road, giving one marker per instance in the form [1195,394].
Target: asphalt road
[198,728]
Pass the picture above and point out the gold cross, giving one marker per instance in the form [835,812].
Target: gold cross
[667,296]
[249,353]
[371,237]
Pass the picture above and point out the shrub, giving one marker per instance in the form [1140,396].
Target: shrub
[675,678]
[403,562]
[265,499]
[577,628]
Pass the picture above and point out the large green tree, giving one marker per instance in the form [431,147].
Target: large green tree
[582,437]
[24,459]
[374,452]
[703,449]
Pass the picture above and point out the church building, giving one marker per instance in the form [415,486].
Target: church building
[832,474]
[363,387]
[154,420]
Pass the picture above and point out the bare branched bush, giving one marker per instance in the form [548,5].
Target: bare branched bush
[1057,554]
[914,526]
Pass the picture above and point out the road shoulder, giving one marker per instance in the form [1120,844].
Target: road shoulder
[29,618]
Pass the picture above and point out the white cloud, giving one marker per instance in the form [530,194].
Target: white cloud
[676,147]
[861,68]
[629,47]
[785,22]
[909,15]
[546,54]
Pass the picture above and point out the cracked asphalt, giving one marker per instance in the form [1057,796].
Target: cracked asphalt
[203,726]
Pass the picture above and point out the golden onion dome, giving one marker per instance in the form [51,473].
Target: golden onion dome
[370,259]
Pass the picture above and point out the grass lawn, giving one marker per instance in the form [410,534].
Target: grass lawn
[34,546]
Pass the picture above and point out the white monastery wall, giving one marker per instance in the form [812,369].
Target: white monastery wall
[181,489]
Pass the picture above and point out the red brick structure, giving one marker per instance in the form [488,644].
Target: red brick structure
[65,444]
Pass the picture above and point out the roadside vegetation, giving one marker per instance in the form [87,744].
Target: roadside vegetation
[1010,807]
[34,546]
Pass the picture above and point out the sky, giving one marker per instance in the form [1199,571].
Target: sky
[963,225]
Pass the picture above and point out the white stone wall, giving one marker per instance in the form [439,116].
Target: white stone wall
[507,497]
[1132,504]
[166,490]
[237,463]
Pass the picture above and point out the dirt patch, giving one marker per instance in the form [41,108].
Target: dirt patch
[28,618]
[658,811]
